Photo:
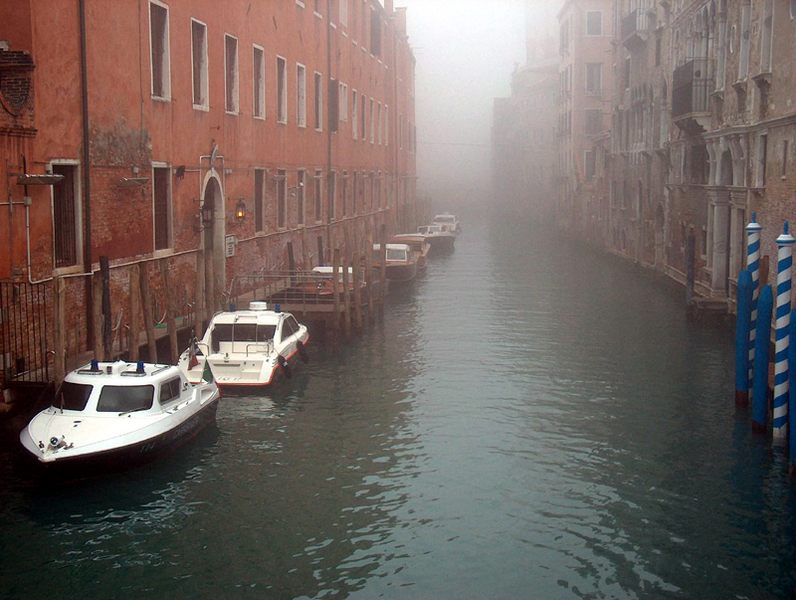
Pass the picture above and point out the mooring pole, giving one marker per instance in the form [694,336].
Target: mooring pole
[792,393]
[765,305]
[753,266]
[743,315]
[784,268]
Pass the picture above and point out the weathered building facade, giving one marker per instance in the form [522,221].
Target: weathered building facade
[523,135]
[203,138]
[585,91]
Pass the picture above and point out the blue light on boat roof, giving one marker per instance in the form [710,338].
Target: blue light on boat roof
[94,364]
[277,308]
[139,367]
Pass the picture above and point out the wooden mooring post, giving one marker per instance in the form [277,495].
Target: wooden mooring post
[59,337]
[171,321]
[383,265]
[369,278]
[135,309]
[146,301]
[336,291]
[356,266]
[199,311]
[346,296]
[96,291]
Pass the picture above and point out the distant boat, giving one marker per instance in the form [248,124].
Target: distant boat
[417,244]
[437,236]
[106,415]
[247,348]
[401,262]
[449,222]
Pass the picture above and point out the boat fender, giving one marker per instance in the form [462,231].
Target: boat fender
[302,351]
[285,367]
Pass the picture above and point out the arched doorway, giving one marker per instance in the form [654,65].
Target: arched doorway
[213,242]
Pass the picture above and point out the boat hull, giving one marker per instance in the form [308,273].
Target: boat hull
[401,273]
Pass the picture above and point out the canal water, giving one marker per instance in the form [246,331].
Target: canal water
[531,420]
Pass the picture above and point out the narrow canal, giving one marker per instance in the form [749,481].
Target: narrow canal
[530,421]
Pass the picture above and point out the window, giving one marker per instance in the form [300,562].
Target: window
[301,96]
[331,193]
[354,114]
[72,396]
[594,72]
[199,64]
[386,124]
[766,35]
[743,60]
[784,169]
[344,12]
[300,195]
[159,50]
[372,120]
[125,398]
[379,124]
[281,198]
[231,74]
[364,22]
[169,391]
[161,206]
[590,164]
[258,72]
[344,195]
[259,199]
[343,100]
[334,105]
[363,118]
[281,90]
[594,22]
[593,121]
[762,157]
[66,216]
[317,194]
[318,102]
[793,9]
[375,33]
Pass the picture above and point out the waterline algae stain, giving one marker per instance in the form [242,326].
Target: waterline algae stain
[530,420]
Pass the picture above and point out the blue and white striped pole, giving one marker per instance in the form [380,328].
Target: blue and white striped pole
[753,266]
[792,392]
[784,272]
[762,337]
[743,313]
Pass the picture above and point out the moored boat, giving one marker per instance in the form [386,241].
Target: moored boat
[418,246]
[401,263]
[448,222]
[437,236]
[247,348]
[107,415]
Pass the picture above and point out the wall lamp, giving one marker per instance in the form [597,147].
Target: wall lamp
[206,212]
[240,210]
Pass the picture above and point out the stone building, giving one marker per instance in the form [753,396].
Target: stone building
[586,83]
[523,135]
[209,141]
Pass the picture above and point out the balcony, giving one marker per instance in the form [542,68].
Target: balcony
[634,29]
[691,87]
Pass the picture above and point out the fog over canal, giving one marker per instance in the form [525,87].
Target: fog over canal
[531,420]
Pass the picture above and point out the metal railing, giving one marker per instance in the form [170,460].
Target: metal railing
[23,333]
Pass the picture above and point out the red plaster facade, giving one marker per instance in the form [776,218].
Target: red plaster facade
[167,90]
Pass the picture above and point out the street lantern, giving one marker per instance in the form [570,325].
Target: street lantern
[207,214]
[240,210]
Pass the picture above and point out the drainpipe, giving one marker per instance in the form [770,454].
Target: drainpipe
[89,302]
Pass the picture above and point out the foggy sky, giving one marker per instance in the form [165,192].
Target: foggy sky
[466,51]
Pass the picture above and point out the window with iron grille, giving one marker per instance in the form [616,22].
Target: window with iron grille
[301,95]
[231,74]
[281,90]
[161,202]
[258,75]
[259,199]
[281,198]
[66,221]
[199,61]
[318,101]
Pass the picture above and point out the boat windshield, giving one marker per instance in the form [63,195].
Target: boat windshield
[443,219]
[396,254]
[72,396]
[125,398]
[241,332]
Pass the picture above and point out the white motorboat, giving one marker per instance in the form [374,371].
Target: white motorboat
[448,222]
[247,348]
[112,414]
[438,237]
